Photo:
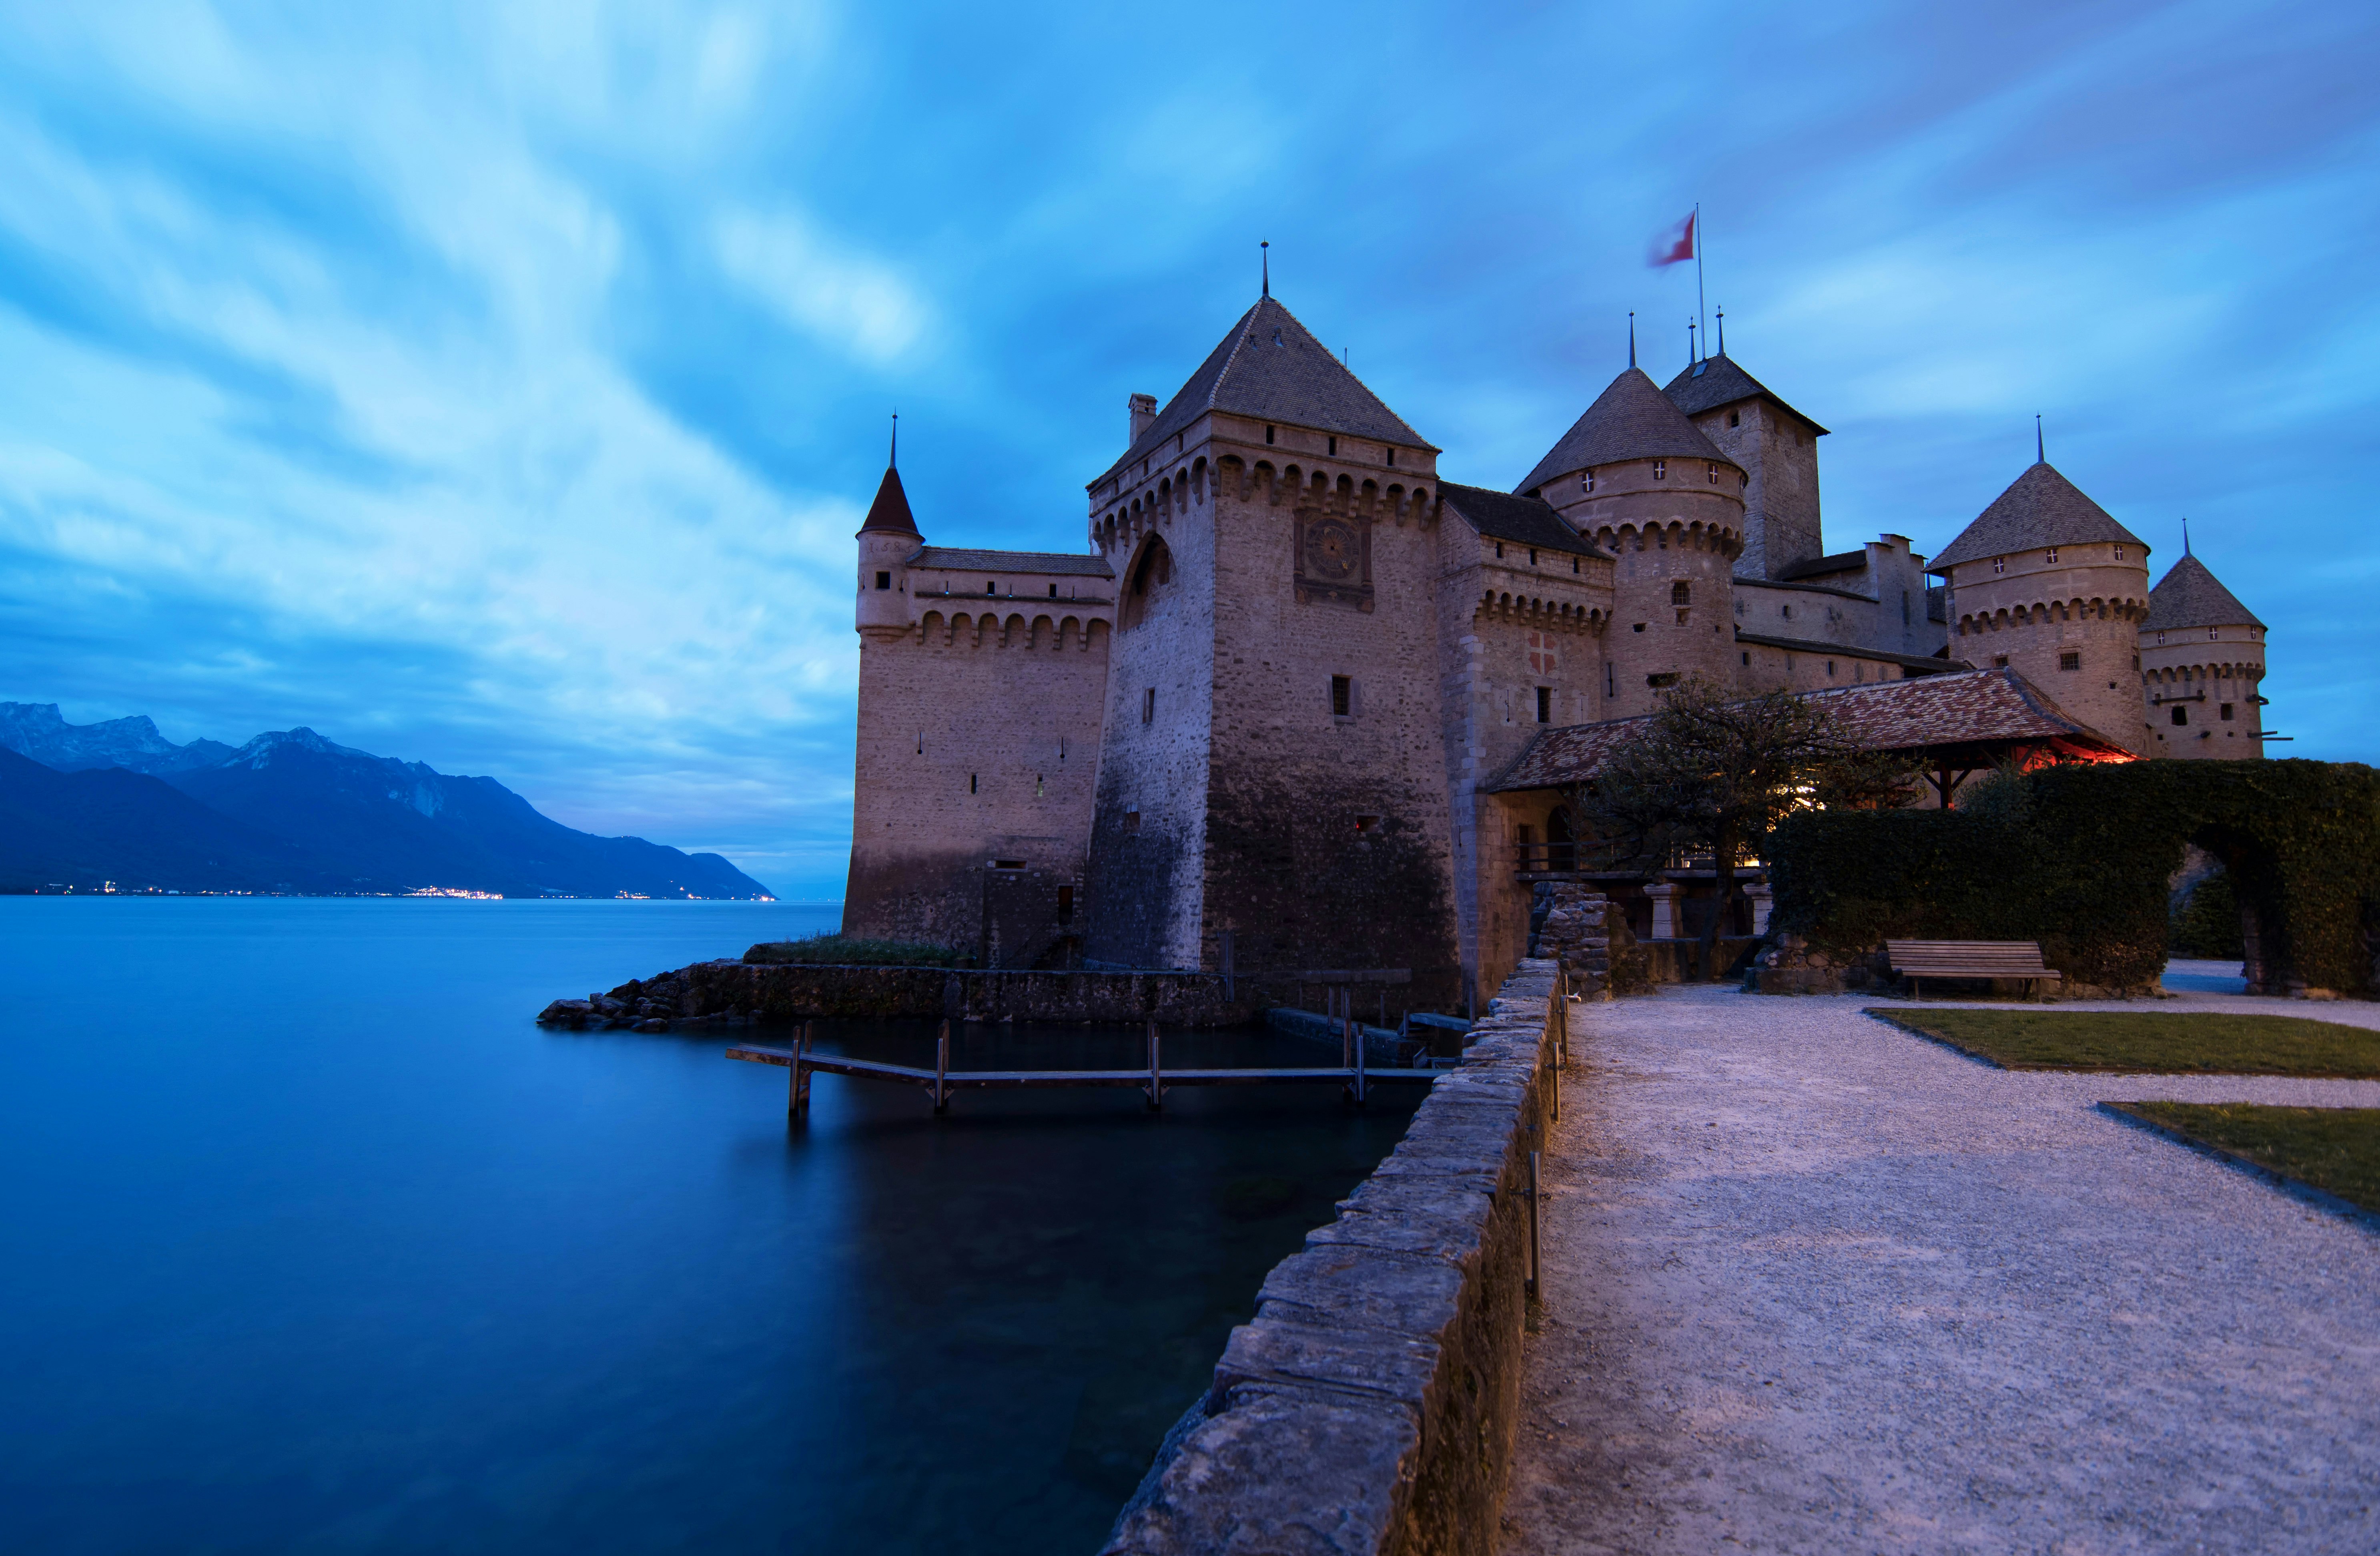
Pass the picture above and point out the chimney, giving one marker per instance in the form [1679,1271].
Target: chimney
[1144,412]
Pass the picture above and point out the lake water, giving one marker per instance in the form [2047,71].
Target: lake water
[312,1241]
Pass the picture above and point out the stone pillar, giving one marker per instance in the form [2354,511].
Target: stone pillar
[1762,899]
[1665,895]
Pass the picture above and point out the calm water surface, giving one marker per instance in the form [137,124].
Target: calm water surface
[310,1241]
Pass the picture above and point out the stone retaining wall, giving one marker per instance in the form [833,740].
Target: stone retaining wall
[784,992]
[1371,1404]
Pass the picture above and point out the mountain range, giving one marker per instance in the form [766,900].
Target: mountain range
[81,805]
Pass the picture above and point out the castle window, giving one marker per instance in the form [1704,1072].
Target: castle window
[2070,661]
[1681,593]
[990,588]
[2053,553]
[1830,669]
[1532,557]
[1735,418]
[2160,640]
[1149,705]
[1267,435]
[970,782]
[1392,458]
[1365,824]
[1999,662]
[2181,714]
[1065,905]
[1999,563]
[1712,472]
[2119,554]
[1335,445]
[1660,469]
[1666,678]
[1545,705]
[1573,564]
[1132,820]
[1054,592]
[1609,689]
[1036,785]
[1587,479]
[1342,696]
[884,580]
[2226,713]
[1008,864]
[2213,633]
[1747,656]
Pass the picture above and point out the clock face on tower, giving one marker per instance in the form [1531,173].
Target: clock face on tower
[1331,550]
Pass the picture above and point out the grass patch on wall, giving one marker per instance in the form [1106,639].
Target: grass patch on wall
[2149,1042]
[852,950]
[2334,1150]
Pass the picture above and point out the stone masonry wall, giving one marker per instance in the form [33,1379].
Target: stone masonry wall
[781,992]
[1370,1405]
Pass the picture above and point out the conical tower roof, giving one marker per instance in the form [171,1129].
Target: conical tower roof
[2190,595]
[890,511]
[1717,381]
[1271,368]
[2041,508]
[1632,420]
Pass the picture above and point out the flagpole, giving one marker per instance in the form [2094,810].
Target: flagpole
[1698,265]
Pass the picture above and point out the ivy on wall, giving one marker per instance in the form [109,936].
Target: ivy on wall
[2078,858]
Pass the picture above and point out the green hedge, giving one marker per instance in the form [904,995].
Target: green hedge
[2078,858]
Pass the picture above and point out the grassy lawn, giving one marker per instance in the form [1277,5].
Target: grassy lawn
[2336,1149]
[2150,1042]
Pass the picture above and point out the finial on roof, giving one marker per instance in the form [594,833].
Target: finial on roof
[2185,534]
[2039,457]
[1264,257]
[893,461]
[1632,337]
[1722,332]
[1690,357]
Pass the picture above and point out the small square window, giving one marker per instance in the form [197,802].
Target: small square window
[1545,705]
[884,580]
[2070,661]
[2053,553]
[1999,662]
[1660,469]
[2214,633]
[1999,563]
[2226,713]
[1342,696]
[2180,715]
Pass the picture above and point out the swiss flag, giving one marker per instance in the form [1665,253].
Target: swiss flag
[1674,244]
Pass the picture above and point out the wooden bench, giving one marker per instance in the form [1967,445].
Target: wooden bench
[1919,959]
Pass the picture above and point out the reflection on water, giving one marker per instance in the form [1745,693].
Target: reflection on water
[315,1243]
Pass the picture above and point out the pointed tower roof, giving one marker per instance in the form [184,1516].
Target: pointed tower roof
[1632,420]
[1270,367]
[890,511]
[2040,509]
[1717,381]
[2190,595]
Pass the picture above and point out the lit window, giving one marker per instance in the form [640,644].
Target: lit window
[2070,661]
[1586,480]
[1660,469]
[2119,554]
[1999,563]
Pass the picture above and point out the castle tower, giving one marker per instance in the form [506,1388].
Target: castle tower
[1638,479]
[1776,448]
[2202,664]
[888,539]
[2046,582]
[1266,770]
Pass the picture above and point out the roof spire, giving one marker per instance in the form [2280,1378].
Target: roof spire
[2185,534]
[1690,357]
[1632,337]
[1722,332]
[1264,257]
[2039,457]
[893,461]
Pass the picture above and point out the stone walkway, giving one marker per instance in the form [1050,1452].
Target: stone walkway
[1814,1284]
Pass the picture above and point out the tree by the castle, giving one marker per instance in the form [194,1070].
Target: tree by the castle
[1712,769]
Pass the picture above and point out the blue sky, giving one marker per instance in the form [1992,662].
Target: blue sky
[498,385]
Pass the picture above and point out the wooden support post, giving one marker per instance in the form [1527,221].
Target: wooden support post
[942,1069]
[1355,1036]
[798,1090]
[1156,1070]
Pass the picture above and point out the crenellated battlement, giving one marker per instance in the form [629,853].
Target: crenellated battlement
[2044,613]
[1725,539]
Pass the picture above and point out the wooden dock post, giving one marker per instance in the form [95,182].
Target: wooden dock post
[797,1088]
[943,1070]
[1355,1036]
[1156,1070]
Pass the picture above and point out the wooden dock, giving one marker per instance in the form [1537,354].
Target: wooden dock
[1154,1080]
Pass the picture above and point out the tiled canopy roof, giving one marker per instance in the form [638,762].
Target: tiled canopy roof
[890,511]
[952,559]
[1717,381]
[2040,509]
[2191,596]
[1271,368]
[1632,420]
[1972,708]
[1529,520]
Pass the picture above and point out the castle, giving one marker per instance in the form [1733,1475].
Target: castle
[1260,721]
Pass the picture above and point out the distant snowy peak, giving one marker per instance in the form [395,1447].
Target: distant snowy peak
[37,730]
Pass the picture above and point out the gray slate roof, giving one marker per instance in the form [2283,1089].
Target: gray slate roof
[1819,566]
[1632,420]
[2040,509]
[1717,381]
[1527,520]
[1270,367]
[891,509]
[954,560]
[2190,595]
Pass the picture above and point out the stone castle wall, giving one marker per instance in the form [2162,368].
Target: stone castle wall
[2033,615]
[1778,453]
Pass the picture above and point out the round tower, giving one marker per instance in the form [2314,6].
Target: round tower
[1637,478]
[887,541]
[2046,583]
[2202,667]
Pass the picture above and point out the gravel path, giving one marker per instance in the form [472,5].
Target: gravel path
[1814,1284]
